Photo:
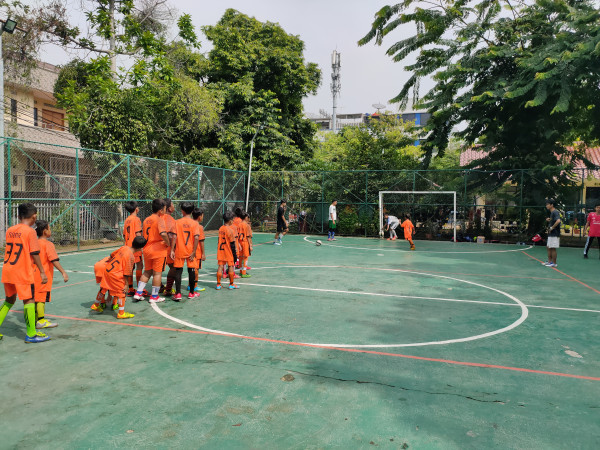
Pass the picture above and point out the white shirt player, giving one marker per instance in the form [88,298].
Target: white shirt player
[393,222]
[332,213]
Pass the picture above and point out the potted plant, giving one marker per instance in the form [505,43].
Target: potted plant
[576,229]
[567,229]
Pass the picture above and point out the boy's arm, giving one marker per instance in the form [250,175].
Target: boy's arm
[196,240]
[59,267]
[38,262]
[202,249]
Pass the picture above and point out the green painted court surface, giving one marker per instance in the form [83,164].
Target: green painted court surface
[357,343]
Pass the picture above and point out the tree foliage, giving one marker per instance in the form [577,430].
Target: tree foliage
[522,78]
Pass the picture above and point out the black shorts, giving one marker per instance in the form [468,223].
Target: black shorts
[281,227]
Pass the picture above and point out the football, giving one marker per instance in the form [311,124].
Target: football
[317,242]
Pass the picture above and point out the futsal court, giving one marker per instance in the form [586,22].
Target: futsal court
[352,344]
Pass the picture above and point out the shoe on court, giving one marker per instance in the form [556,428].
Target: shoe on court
[412,248]
[138,297]
[333,239]
[585,256]
[45,323]
[176,298]
[97,308]
[547,263]
[36,338]
[552,265]
[193,295]
[235,275]
[248,268]
[115,307]
[276,243]
[218,287]
[245,275]
[125,315]
[156,299]
[199,289]
[130,292]
[233,286]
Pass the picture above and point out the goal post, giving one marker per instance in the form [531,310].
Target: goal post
[381,205]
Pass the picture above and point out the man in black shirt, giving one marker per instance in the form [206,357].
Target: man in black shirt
[282,225]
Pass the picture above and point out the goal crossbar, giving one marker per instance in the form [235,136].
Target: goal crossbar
[453,193]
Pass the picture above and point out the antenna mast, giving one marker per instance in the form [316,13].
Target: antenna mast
[336,86]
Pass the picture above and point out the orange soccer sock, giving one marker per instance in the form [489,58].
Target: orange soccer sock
[219,276]
[100,296]
[130,281]
[231,276]
[138,276]
[121,304]
[114,301]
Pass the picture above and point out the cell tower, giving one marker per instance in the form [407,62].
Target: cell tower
[336,86]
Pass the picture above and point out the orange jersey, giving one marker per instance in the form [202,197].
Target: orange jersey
[169,223]
[153,227]
[186,229]
[226,237]
[21,243]
[408,228]
[245,233]
[132,225]
[119,265]
[48,256]
[201,237]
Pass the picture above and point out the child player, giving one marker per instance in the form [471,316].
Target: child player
[170,224]
[21,258]
[198,215]
[49,260]
[116,270]
[226,250]
[155,251]
[183,249]
[409,230]
[132,228]
[391,223]
[237,221]
[245,239]
[100,296]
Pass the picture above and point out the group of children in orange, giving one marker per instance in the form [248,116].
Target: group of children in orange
[30,259]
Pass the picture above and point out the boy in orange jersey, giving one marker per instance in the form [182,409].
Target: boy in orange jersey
[116,270]
[198,215]
[409,230]
[21,259]
[155,251]
[237,223]
[184,248]
[245,240]
[50,260]
[100,296]
[170,224]
[226,250]
[132,228]
[236,234]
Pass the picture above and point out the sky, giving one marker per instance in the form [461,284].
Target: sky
[368,75]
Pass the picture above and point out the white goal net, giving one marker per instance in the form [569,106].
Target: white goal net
[430,211]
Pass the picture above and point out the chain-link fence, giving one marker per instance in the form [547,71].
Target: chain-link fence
[81,193]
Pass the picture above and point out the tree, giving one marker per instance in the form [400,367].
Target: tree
[259,72]
[524,78]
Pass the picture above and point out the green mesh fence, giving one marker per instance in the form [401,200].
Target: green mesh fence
[81,193]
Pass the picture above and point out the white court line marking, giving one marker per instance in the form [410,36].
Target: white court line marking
[421,251]
[516,323]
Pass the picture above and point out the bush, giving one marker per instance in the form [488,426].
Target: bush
[347,221]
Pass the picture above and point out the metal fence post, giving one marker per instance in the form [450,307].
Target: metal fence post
[128,177]
[77,199]
[366,197]
[322,198]
[521,210]
[8,155]
[224,194]
[168,180]
[200,172]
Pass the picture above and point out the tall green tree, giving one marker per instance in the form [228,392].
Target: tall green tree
[259,72]
[521,79]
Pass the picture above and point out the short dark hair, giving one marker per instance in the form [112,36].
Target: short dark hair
[26,210]
[40,226]
[197,213]
[550,201]
[238,211]
[131,206]
[168,202]
[244,215]
[227,216]
[597,204]
[139,242]
[187,207]
[158,204]
[407,215]
[282,201]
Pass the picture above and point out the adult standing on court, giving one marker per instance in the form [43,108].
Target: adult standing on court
[332,221]
[553,233]
[282,225]
[593,222]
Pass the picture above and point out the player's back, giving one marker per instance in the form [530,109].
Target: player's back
[169,223]
[21,243]
[153,227]
[226,237]
[48,256]
[187,229]
[119,263]
[201,237]
[132,225]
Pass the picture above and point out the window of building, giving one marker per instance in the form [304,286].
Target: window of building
[13,109]
[53,120]
[35,117]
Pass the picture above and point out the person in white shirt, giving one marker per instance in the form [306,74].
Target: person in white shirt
[391,223]
[332,221]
